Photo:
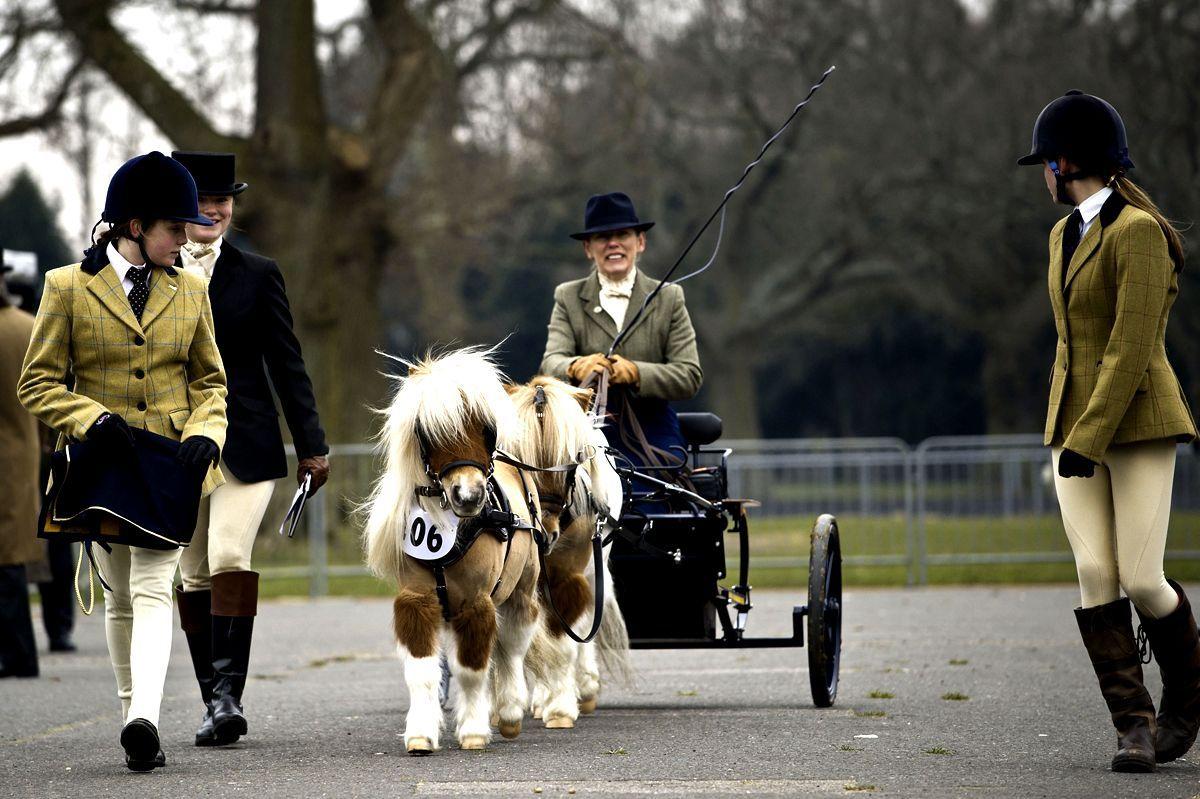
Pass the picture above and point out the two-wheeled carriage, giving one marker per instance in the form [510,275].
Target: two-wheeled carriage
[669,558]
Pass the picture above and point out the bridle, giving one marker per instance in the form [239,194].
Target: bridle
[435,488]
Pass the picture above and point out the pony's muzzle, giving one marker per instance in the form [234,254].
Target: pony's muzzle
[466,489]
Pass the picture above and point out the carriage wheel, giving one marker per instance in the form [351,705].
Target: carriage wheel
[824,610]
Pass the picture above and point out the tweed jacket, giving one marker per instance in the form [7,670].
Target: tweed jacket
[162,374]
[1111,381]
[662,343]
[20,449]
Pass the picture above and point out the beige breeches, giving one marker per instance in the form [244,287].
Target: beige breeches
[1117,523]
[138,624]
[225,530]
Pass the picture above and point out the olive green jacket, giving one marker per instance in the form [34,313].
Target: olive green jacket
[662,343]
[1112,383]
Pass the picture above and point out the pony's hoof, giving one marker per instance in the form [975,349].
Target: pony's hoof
[560,723]
[419,746]
[495,719]
[473,742]
[510,729]
[537,713]
[588,706]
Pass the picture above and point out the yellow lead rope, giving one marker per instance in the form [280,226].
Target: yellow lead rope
[87,611]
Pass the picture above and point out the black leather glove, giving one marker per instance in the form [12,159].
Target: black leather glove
[199,451]
[111,432]
[1072,464]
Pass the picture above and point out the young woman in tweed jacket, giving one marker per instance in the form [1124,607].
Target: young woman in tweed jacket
[1116,413]
[124,340]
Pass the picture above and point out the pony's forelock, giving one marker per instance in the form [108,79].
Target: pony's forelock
[564,429]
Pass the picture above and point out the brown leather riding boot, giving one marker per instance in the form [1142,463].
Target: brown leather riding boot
[234,605]
[1107,632]
[1176,647]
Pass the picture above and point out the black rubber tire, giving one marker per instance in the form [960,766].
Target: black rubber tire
[824,610]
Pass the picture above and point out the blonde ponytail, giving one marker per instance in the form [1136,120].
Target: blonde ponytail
[1138,198]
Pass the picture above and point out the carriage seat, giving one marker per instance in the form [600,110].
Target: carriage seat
[700,428]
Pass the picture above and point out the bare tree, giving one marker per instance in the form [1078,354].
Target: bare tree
[332,198]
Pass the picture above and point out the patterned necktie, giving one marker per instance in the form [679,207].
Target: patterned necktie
[1070,242]
[141,289]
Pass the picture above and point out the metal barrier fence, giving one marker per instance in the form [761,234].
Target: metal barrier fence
[950,501]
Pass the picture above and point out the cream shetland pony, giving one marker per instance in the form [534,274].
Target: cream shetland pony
[438,434]
[556,429]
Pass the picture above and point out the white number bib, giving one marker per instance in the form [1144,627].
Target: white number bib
[428,537]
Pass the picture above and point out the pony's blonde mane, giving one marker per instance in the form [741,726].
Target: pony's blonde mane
[445,395]
[563,432]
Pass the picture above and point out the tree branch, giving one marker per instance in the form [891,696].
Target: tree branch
[50,114]
[104,46]
[495,29]
[216,7]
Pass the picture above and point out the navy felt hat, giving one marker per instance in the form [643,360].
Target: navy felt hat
[1082,127]
[606,212]
[152,186]
[213,172]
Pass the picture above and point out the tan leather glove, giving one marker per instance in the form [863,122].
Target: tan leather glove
[624,372]
[318,467]
[583,366]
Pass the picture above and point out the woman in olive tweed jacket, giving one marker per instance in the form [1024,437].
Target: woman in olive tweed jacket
[656,361]
[1116,413]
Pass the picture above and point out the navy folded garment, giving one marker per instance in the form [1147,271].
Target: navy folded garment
[145,497]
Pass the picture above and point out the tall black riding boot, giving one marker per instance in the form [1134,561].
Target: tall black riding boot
[1107,632]
[234,605]
[18,649]
[1176,647]
[58,600]
[196,621]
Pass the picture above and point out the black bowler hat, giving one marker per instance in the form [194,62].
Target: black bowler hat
[607,212]
[213,172]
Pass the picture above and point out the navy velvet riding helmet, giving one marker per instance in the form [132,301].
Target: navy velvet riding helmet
[152,186]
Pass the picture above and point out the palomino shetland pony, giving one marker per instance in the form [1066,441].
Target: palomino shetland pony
[556,430]
[440,482]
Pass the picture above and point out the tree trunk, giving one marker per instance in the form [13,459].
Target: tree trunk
[732,391]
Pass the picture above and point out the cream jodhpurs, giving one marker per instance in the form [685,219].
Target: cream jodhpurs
[225,530]
[1117,522]
[138,624]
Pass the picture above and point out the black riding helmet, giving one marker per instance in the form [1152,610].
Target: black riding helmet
[1084,129]
[152,186]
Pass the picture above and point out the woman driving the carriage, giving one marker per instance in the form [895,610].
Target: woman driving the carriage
[655,360]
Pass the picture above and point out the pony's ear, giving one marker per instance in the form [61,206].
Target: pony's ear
[584,398]
[511,388]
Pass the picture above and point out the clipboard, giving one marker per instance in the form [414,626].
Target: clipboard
[292,520]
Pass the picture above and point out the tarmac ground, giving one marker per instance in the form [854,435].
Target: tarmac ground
[945,692]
